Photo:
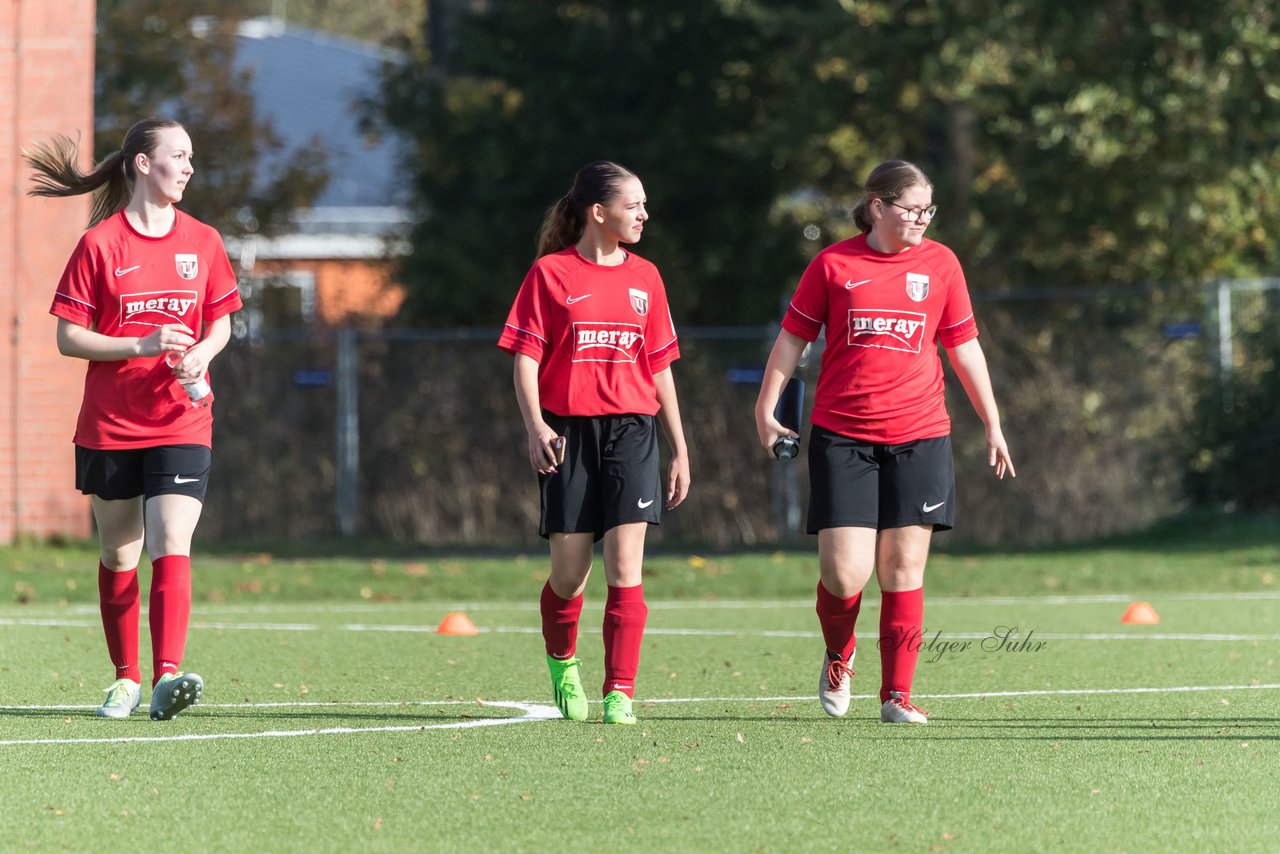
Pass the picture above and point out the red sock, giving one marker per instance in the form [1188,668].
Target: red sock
[118,601]
[901,633]
[837,617]
[624,616]
[170,612]
[560,623]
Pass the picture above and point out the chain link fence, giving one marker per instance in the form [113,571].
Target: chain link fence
[414,435]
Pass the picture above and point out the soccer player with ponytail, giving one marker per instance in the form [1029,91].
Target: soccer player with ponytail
[146,299]
[880,468]
[593,343]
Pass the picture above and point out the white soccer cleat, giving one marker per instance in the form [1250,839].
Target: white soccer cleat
[123,696]
[833,684]
[899,711]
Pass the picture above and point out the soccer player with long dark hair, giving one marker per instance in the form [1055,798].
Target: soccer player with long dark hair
[593,343]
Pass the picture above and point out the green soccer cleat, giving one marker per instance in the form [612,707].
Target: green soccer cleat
[173,693]
[617,708]
[123,697]
[566,685]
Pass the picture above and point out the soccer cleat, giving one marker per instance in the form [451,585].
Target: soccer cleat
[617,708]
[896,710]
[173,693]
[833,684]
[123,697]
[566,684]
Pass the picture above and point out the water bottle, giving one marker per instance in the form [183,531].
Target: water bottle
[198,391]
[786,448]
[790,414]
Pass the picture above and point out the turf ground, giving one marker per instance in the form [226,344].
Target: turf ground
[335,718]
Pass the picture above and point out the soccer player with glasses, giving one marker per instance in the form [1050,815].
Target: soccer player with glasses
[881,475]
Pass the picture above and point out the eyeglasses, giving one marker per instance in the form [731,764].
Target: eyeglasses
[916,214]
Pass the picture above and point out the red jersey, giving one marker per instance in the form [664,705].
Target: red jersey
[881,375]
[122,283]
[598,333]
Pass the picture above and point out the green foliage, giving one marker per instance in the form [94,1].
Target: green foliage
[687,95]
[1235,455]
[1082,143]
[152,61]
[387,21]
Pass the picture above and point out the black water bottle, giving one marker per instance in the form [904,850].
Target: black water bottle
[790,414]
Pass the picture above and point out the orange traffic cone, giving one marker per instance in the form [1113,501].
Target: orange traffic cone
[456,623]
[1140,612]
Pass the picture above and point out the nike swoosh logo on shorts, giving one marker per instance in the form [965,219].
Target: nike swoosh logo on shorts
[851,284]
[572,300]
[929,508]
[120,272]
[644,504]
[177,478]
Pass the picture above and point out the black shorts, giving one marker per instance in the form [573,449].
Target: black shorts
[610,475]
[163,470]
[853,484]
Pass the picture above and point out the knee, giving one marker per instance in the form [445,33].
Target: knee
[120,558]
[901,574]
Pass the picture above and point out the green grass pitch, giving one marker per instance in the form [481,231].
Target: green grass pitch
[336,719]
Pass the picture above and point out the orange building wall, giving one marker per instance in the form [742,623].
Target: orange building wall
[346,290]
[46,87]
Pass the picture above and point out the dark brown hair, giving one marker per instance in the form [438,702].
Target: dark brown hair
[111,181]
[596,183]
[888,181]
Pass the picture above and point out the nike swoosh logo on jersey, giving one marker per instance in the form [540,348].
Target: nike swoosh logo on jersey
[929,508]
[851,284]
[120,272]
[644,504]
[177,478]
[572,300]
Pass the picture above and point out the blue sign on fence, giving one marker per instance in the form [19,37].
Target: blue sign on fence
[1182,329]
[312,378]
[746,376]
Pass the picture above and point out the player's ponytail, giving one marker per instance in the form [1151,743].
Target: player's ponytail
[595,184]
[888,182]
[111,181]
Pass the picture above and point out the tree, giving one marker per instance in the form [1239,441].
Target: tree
[1070,144]
[683,94]
[159,58]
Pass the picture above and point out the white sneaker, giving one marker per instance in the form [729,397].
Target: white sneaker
[833,684]
[123,696]
[899,711]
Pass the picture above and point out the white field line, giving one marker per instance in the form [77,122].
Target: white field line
[535,712]
[657,631]
[532,713]
[872,601]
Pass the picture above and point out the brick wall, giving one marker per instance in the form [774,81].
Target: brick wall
[46,87]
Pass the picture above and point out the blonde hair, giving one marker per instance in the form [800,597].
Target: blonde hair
[887,182]
[111,181]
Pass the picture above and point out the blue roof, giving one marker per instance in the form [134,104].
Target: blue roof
[307,84]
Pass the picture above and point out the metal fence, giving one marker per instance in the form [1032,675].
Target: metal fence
[414,435]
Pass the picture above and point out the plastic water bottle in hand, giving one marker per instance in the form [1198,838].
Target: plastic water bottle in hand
[198,391]
[790,414]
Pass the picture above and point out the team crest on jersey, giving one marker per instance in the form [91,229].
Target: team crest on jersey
[188,265]
[158,308]
[887,329]
[596,341]
[640,301]
[917,286]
